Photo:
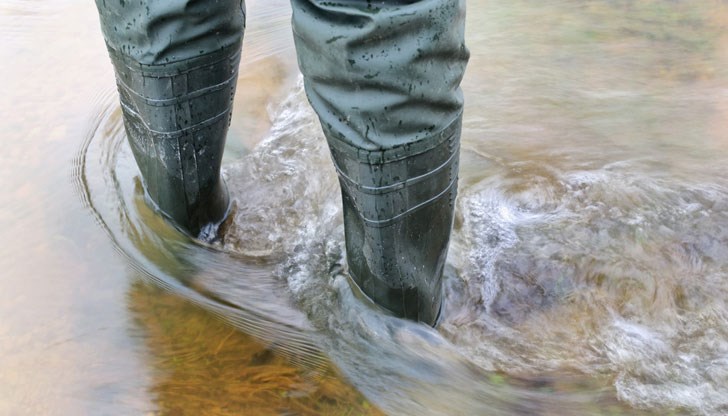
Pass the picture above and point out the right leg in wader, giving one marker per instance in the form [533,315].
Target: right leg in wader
[176,64]
[384,78]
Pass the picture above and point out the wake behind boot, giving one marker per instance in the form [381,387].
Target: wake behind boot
[176,67]
[398,214]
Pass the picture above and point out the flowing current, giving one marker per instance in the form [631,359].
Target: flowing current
[560,270]
[588,267]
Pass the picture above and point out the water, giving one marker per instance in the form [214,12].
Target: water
[588,272]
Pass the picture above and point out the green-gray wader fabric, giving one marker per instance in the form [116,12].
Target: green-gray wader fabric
[383,77]
[176,64]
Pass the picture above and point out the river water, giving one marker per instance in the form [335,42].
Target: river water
[588,272]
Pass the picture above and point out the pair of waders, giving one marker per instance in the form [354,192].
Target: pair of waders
[383,77]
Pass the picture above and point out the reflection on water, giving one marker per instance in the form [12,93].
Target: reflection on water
[588,272]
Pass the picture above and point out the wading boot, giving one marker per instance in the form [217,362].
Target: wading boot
[384,79]
[176,66]
[398,213]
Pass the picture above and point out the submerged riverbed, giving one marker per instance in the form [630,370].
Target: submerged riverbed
[588,272]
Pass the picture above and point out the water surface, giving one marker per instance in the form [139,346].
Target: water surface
[588,272]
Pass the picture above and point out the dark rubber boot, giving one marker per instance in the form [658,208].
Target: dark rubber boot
[176,119]
[176,66]
[398,213]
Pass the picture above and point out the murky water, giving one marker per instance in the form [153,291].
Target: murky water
[588,272]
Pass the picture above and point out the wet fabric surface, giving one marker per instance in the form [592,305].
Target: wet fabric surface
[382,74]
[154,32]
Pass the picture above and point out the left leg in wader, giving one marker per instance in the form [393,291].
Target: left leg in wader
[176,64]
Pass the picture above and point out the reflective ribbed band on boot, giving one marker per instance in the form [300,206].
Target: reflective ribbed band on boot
[176,117]
[405,178]
[398,214]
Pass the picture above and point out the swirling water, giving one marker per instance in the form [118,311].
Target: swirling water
[589,265]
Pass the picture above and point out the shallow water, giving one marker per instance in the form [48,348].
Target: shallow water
[588,271]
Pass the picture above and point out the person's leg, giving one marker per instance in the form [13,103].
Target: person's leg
[384,77]
[176,64]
